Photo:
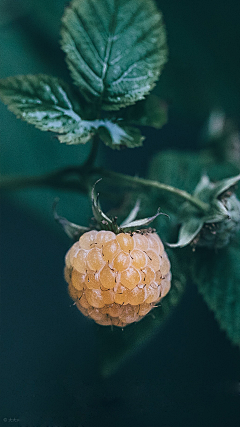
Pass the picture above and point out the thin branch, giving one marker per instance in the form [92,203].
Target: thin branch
[61,179]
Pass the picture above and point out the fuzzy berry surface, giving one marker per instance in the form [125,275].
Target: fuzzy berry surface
[116,279]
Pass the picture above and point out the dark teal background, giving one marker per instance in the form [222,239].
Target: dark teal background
[189,373]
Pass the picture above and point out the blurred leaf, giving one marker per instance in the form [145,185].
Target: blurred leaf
[184,170]
[151,111]
[217,275]
[115,50]
[118,345]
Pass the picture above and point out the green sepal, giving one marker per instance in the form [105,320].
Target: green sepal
[101,218]
[128,225]
[72,230]
[131,226]
[188,232]
[132,215]
[220,212]
[217,213]
[225,185]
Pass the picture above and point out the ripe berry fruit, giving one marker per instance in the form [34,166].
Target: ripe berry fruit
[116,274]
[116,279]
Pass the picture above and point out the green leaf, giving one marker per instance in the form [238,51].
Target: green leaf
[217,275]
[151,111]
[48,103]
[116,346]
[184,170]
[115,49]
[116,135]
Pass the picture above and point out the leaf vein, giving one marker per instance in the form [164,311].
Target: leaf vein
[87,36]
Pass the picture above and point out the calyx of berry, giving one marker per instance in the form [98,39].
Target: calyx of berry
[102,221]
[219,224]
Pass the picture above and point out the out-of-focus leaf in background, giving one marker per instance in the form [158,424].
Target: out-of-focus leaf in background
[184,169]
[218,278]
[216,272]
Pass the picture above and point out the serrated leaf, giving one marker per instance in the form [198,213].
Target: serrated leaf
[49,104]
[117,345]
[115,49]
[217,275]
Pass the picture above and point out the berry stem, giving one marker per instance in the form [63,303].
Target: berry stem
[75,178]
[119,177]
[92,155]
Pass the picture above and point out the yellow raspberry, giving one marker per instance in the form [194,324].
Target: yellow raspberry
[116,279]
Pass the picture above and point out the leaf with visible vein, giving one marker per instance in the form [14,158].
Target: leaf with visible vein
[50,105]
[115,49]
[47,103]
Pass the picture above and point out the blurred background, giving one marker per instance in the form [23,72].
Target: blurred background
[54,362]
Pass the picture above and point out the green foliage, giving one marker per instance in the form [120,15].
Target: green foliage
[51,105]
[47,103]
[219,223]
[117,135]
[149,112]
[94,35]
[115,49]
[217,275]
[184,170]
[116,346]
